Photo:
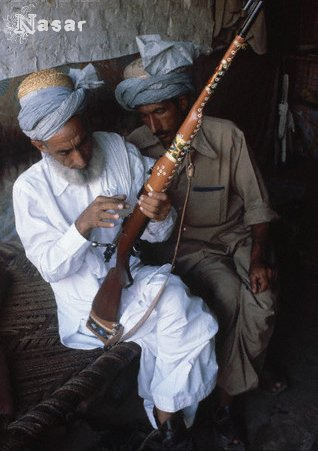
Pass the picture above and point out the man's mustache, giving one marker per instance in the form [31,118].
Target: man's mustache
[162,134]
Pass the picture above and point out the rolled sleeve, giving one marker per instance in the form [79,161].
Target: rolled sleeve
[72,242]
[259,214]
[248,182]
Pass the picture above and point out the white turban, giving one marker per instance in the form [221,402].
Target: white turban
[50,98]
[159,75]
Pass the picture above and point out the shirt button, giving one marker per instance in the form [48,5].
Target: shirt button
[184,229]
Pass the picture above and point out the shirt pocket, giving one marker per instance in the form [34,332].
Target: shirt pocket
[205,206]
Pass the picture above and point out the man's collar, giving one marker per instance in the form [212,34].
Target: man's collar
[59,184]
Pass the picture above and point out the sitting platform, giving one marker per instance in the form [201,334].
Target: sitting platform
[49,382]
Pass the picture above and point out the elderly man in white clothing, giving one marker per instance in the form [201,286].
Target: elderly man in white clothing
[75,195]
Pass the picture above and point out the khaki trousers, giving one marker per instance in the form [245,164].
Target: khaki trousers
[245,320]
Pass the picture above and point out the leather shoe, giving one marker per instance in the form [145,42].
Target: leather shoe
[175,436]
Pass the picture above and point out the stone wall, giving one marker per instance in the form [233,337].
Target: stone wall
[101,29]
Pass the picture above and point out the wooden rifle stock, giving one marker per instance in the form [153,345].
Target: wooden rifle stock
[103,316]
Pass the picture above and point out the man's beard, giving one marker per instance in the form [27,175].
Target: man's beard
[92,171]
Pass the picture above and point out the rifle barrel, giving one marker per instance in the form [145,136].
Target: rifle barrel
[255,9]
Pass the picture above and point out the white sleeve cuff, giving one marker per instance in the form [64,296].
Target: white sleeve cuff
[72,242]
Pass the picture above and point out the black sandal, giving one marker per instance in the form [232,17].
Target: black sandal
[227,430]
[273,383]
[175,436]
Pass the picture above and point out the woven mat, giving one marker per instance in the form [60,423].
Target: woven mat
[41,369]
[28,334]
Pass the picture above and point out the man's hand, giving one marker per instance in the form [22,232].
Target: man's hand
[155,205]
[261,276]
[100,213]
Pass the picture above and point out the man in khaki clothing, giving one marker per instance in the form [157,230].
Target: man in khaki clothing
[223,252]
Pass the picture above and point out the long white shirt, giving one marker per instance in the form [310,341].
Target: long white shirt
[46,207]
[177,365]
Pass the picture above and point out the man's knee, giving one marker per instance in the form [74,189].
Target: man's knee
[177,297]
[220,289]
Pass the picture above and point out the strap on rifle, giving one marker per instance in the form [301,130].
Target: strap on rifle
[189,172]
[115,340]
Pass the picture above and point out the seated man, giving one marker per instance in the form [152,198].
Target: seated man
[224,241]
[75,195]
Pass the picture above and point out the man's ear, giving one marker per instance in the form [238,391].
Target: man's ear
[183,102]
[40,145]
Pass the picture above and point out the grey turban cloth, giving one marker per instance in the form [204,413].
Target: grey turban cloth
[164,62]
[45,111]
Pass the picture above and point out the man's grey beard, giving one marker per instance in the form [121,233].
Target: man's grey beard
[92,171]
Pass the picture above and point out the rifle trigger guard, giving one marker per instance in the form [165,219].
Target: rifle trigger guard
[108,253]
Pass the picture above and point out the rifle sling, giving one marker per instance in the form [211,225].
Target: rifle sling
[131,332]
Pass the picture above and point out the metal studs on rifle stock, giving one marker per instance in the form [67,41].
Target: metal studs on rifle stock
[161,170]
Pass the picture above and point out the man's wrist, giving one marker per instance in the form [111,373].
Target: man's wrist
[259,250]
[82,230]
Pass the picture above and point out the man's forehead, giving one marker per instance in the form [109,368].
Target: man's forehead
[72,130]
[150,107]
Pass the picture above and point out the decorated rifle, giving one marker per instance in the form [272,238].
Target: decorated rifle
[102,320]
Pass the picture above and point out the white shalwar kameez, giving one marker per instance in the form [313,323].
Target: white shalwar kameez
[178,367]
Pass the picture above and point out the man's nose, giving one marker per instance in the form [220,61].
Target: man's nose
[154,124]
[78,161]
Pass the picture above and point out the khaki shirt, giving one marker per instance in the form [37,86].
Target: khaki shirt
[227,193]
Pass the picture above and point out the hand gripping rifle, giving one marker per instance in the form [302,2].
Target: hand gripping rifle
[102,320]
